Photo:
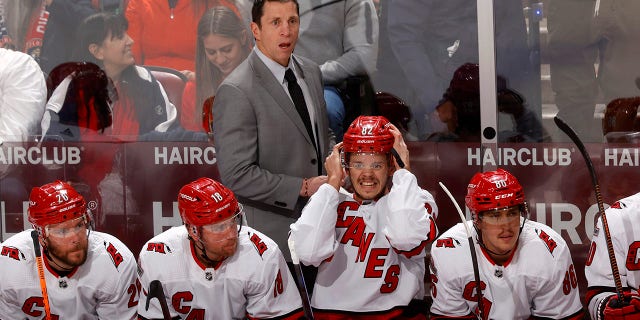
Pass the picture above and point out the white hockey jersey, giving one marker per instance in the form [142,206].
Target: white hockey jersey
[370,256]
[104,287]
[539,278]
[255,282]
[623,218]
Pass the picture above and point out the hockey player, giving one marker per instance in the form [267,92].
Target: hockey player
[369,246]
[213,267]
[525,268]
[88,274]
[622,219]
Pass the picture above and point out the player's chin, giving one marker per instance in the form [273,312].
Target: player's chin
[368,192]
[76,258]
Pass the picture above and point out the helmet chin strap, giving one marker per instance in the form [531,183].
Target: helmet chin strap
[199,244]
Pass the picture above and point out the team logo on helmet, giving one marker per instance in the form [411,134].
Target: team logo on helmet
[206,201]
[368,134]
[53,203]
[493,190]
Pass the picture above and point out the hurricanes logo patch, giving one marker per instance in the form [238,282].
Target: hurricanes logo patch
[12,252]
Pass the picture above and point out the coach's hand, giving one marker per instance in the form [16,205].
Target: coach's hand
[629,309]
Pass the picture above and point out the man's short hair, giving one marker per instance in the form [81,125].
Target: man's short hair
[257,10]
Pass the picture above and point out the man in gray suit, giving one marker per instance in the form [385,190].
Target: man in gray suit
[270,149]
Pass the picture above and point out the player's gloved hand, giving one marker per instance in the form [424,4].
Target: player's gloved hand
[629,309]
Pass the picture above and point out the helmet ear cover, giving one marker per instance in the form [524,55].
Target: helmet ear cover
[206,201]
[492,190]
[55,203]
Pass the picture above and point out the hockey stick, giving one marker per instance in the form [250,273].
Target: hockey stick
[302,287]
[596,186]
[472,248]
[43,282]
[156,291]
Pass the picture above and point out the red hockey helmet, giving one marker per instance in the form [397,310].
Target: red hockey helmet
[55,202]
[493,190]
[206,201]
[621,122]
[368,134]
[465,80]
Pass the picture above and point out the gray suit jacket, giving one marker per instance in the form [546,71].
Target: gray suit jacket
[262,146]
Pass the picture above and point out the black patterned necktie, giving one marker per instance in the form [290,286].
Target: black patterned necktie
[298,100]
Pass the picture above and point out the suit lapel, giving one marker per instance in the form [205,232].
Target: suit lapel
[275,89]
[318,98]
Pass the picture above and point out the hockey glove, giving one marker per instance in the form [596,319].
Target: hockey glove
[628,310]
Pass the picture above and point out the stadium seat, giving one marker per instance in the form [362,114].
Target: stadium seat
[173,82]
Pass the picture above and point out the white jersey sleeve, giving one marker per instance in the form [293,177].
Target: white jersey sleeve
[451,269]
[622,219]
[556,293]
[275,294]
[122,301]
[314,232]
[408,210]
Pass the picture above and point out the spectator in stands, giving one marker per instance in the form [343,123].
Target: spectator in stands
[593,53]
[79,107]
[223,43]
[22,97]
[142,104]
[42,28]
[25,22]
[64,19]
[341,37]
[164,32]
[432,38]
[459,109]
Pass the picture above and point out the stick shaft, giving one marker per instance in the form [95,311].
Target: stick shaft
[596,186]
[302,287]
[472,249]
[43,281]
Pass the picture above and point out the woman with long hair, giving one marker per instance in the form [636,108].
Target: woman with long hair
[222,44]
[164,31]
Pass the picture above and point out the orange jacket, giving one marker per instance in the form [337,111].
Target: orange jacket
[162,41]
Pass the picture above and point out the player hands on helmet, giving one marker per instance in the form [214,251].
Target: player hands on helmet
[365,156]
[496,201]
[385,221]
[59,214]
[212,216]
